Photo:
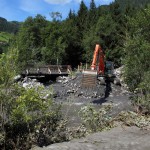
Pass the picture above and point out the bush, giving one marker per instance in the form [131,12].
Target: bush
[137,58]
[96,120]
[26,116]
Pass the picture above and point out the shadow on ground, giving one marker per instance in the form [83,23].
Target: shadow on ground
[108,90]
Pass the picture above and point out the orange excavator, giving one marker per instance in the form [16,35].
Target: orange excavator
[101,64]
[100,69]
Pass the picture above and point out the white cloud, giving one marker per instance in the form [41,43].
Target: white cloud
[31,6]
[58,1]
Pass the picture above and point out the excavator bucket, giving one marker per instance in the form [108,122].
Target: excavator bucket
[89,78]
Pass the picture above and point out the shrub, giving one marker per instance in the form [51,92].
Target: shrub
[26,116]
[95,120]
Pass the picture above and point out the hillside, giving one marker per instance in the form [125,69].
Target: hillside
[135,3]
[8,26]
[4,41]
[4,37]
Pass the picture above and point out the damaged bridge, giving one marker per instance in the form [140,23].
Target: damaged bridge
[48,72]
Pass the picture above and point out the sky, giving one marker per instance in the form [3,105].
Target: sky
[19,10]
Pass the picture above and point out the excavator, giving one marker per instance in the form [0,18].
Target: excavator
[100,69]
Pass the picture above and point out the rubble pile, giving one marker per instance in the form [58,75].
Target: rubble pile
[73,86]
[30,83]
[119,75]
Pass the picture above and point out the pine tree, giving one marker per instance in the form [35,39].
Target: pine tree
[82,18]
[92,15]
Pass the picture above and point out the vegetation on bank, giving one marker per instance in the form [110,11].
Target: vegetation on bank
[123,32]
[9,26]
[5,37]
[26,116]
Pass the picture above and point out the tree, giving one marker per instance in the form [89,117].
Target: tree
[73,45]
[92,14]
[54,50]
[119,36]
[137,49]
[56,15]
[82,19]
[31,39]
[71,15]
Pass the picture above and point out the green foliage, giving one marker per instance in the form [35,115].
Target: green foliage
[73,49]
[135,3]
[26,116]
[28,101]
[89,41]
[102,33]
[5,37]
[137,50]
[56,16]
[95,120]
[134,119]
[31,39]
[5,41]
[8,67]
[92,14]
[82,18]
[9,26]
[136,62]
[71,41]
[55,45]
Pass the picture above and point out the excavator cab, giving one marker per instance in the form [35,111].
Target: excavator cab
[109,69]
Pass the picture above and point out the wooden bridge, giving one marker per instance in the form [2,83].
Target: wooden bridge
[48,71]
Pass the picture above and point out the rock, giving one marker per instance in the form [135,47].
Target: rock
[25,85]
[102,80]
[117,81]
[119,138]
[17,78]
[70,91]
[30,83]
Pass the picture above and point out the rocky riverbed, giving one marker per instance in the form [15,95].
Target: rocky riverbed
[68,92]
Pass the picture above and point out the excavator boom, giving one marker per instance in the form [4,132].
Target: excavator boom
[98,59]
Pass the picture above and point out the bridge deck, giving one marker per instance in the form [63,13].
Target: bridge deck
[49,70]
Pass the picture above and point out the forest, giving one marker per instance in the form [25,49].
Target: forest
[122,28]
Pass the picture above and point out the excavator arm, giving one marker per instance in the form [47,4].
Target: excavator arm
[98,57]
